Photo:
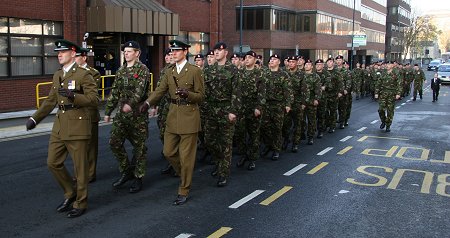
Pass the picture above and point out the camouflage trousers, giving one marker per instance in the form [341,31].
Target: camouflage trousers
[357,86]
[322,115]
[292,122]
[332,106]
[386,107]
[311,115]
[406,88]
[418,89]
[163,110]
[135,130]
[349,106]
[247,134]
[343,106]
[219,141]
[272,125]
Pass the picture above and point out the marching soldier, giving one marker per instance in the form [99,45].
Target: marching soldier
[199,60]
[358,80]
[279,98]
[128,94]
[419,79]
[388,89]
[184,83]
[235,60]
[351,82]
[314,84]
[74,91]
[252,88]
[210,58]
[343,101]
[408,78]
[326,86]
[222,102]
[333,95]
[81,59]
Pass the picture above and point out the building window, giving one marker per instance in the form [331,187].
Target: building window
[26,47]
[373,15]
[349,3]
[254,18]
[335,26]
[199,41]
[374,36]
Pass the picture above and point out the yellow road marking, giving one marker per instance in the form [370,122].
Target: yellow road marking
[317,168]
[446,158]
[221,232]
[345,150]
[381,137]
[276,195]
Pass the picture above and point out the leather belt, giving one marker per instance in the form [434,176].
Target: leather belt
[180,101]
[63,107]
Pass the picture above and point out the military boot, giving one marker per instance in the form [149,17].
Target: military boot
[310,141]
[420,96]
[251,165]
[222,182]
[388,128]
[341,125]
[136,186]
[346,123]
[123,179]
[275,155]
[241,161]
[320,134]
[382,125]
[294,148]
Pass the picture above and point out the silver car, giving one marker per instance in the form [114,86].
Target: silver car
[444,73]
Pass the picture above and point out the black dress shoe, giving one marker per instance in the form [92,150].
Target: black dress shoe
[346,123]
[310,141]
[76,212]
[167,170]
[181,199]
[388,129]
[294,148]
[136,186]
[382,125]
[275,155]
[341,126]
[251,165]
[66,205]
[320,135]
[331,130]
[123,179]
[222,182]
[241,161]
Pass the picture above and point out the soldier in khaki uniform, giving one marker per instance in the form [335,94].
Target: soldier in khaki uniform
[81,58]
[74,91]
[184,82]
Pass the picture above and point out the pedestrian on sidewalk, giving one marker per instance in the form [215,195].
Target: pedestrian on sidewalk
[435,86]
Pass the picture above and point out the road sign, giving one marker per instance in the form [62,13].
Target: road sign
[361,40]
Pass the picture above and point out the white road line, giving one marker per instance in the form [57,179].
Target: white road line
[398,107]
[408,100]
[295,169]
[184,235]
[361,129]
[325,151]
[403,104]
[246,199]
[374,121]
[346,138]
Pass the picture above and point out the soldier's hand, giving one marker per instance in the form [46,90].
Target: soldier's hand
[257,113]
[107,119]
[316,102]
[303,107]
[144,107]
[376,96]
[126,108]
[397,97]
[30,124]
[323,88]
[339,95]
[182,92]
[345,92]
[231,117]
[66,93]
[288,109]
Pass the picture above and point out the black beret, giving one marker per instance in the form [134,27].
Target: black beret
[300,57]
[235,56]
[293,57]
[167,51]
[276,56]
[178,45]
[131,44]
[198,56]
[339,57]
[308,61]
[319,61]
[331,58]
[259,56]
[220,45]
[251,53]
[65,45]
[416,65]
[211,52]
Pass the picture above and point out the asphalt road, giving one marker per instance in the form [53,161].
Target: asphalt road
[357,182]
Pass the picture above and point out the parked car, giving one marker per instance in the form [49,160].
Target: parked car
[444,73]
[434,65]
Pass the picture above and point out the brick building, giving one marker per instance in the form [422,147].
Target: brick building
[398,18]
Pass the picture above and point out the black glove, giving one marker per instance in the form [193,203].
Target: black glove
[30,124]
[143,107]
[182,92]
[66,93]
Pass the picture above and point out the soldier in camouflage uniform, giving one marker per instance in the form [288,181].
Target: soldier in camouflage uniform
[388,89]
[222,105]
[333,95]
[128,93]
[279,98]
[358,78]
[351,81]
[419,79]
[344,100]
[326,86]
[314,85]
[199,61]
[407,79]
[295,116]
[252,88]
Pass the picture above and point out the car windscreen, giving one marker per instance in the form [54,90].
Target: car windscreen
[444,68]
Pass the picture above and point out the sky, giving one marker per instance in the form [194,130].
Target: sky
[423,6]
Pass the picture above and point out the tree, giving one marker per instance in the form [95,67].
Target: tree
[418,35]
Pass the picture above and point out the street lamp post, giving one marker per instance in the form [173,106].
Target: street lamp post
[241,14]
[353,34]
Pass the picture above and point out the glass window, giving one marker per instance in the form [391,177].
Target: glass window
[307,24]
[49,47]
[51,64]
[52,28]
[3,45]
[3,66]
[25,26]
[23,66]
[373,15]
[25,46]
[3,25]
